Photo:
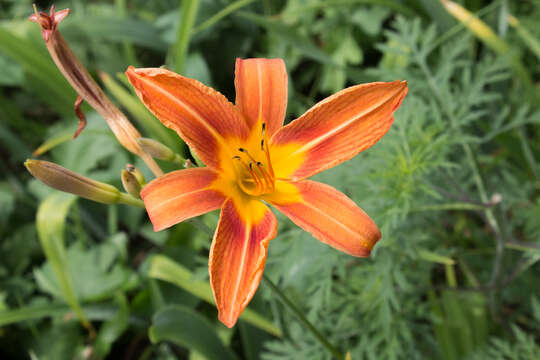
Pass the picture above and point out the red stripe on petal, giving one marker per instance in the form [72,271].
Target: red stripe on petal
[202,117]
[180,195]
[238,255]
[339,127]
[332,218]
[261,91]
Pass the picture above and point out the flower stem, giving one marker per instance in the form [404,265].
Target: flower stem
[188,13]
[289,304]
[127,199]
[220,15]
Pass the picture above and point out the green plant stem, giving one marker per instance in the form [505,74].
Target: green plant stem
[127,47]
[289,304]
[221,14]
[187,20]
[127,199]
[527,152]
[490,217]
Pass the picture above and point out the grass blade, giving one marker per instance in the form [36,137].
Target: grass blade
[50,222]
[184,327]
[188,14]
[168,270]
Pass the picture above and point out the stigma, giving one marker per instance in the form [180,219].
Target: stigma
[254,171]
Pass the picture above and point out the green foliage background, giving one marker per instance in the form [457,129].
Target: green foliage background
[454,186]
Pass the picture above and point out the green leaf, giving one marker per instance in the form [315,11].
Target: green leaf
[112,329]
[7,202]
[34,312]
[43,77]
[120,29]
[11,73]
[291,36]
[95,272]
[196,68]
[166,269]
[185,327]
[178,52]
[50,222]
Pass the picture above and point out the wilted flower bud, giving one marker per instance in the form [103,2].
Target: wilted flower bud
[62,179]
[86,87]
[130,183]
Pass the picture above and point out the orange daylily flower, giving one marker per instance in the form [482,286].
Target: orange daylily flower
[253,160]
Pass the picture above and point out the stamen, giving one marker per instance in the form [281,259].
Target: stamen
[263,175]
[256,179]
[247,153]
[267,178]
[267,151]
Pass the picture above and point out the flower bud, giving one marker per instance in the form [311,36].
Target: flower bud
[62,179]
[162,152]
[137,173]
[130,183]
[156,149]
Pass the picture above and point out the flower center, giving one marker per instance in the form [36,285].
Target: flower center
[254,172]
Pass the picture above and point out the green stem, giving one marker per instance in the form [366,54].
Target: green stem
[490,217]
[289,304]
[127,199]
[129,51]
[188,14]
[221,14]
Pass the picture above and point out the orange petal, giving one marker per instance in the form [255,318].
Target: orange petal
[261,91]
[180,195]
[204,118]
[238,255]
[337,128]
[331,217]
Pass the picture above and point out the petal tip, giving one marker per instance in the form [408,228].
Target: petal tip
[228,320]
[362,253]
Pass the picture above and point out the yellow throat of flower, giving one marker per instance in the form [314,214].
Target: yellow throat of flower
[254,172]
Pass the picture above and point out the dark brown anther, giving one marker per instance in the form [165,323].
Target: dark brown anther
[242,150]
[259,163]
[236,157]
[251,166]
[80,115]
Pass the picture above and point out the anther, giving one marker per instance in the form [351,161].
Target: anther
[237,157]
[262,144]
[242,150]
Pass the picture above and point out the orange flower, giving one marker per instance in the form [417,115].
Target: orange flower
[252,160]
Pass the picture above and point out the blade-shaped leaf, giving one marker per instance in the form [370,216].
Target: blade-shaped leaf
[185,327]
[50,222]
[166,269]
